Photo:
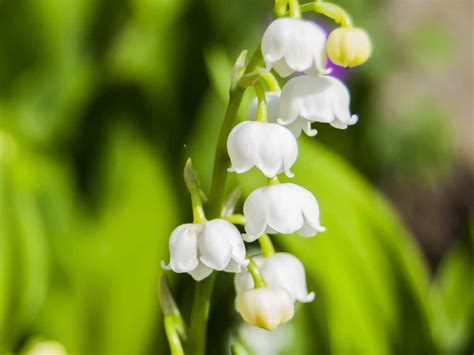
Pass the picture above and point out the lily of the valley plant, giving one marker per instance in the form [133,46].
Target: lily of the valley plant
[268,285]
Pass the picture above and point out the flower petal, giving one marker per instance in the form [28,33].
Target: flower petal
[215,243]
[284,211]
[242,146]
[200,272]
[255,212]
[183,247]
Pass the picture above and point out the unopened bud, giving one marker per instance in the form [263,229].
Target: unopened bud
[265,307]
[348,46]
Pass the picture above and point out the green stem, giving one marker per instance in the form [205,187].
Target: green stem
[266,245]
[221,159]
[270,80]
[256,273]
[236,219]
[333,11]
[198,211]
[273,181]
[172,335]
[200,315]
[280,7]
[262,114]
[203,293]
[294,8]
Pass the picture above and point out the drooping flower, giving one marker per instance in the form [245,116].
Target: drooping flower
[281,269]
[290,45]
[200,248]
[348,46]
[273,107]
[268,146]
[283,208]
[315,99]
[265,307]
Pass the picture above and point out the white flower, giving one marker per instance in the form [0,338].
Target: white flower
[290,45]
[265,307]
[315,99]
[268,146]
[273,107]
[281,269]
[282,208]
[199,248]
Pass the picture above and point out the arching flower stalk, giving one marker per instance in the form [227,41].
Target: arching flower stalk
[267,286]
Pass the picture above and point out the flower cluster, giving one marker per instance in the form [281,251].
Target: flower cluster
[268,285]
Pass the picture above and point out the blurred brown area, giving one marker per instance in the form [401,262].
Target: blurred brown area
[438,209]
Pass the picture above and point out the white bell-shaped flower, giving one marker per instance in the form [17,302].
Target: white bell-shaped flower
[281,269]
[200,248]
[315,99]
[265,307]
[294,45]
[273,107]
[268,146]
[282,208]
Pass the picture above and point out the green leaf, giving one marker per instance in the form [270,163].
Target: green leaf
[369,278]
[451,301]
[24,251]
[107,300]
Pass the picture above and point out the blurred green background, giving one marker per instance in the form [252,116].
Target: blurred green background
[102,101]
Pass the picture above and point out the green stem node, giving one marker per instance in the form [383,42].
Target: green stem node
[200,315]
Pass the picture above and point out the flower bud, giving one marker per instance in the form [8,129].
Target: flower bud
[279,270]
[265,307]
[348,47]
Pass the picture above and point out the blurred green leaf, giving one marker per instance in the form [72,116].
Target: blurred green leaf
[108,294]
[451,301]
[23,242]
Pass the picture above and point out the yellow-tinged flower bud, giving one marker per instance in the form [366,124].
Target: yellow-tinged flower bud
[348,46]
[265,307]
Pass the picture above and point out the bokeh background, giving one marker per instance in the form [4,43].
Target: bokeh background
[102,101]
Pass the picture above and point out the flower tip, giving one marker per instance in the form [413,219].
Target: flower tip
[165,266]
[282,122]
[308,298]
[249,238]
